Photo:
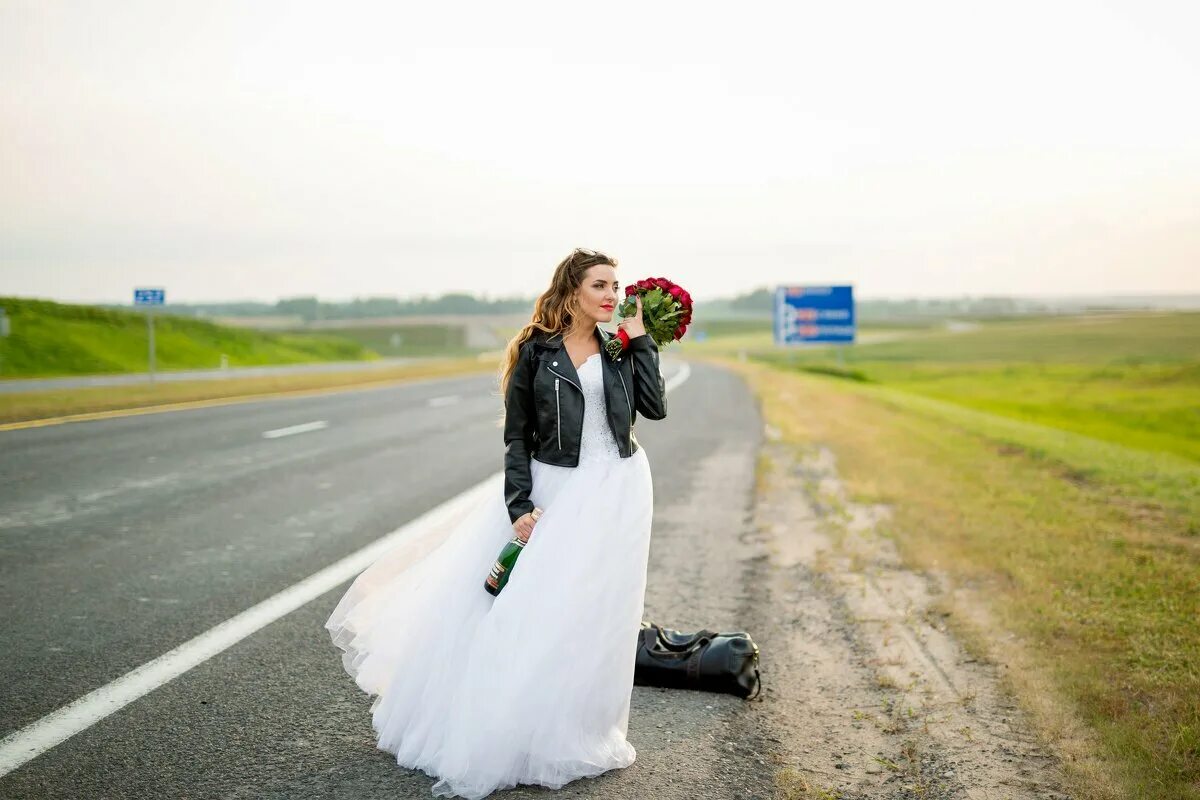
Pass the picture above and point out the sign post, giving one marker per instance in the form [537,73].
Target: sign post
[5,329]
[814,315]
[150,298]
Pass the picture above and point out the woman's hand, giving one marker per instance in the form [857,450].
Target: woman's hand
[524,525]
[633,326]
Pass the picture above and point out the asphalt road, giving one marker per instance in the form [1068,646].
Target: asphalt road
[122,538]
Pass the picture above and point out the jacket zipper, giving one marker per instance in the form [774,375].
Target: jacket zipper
[626,391]
[568,380]
[557,415]
[580,388]
[627,403]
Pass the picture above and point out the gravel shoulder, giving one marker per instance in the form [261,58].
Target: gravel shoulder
[868,695]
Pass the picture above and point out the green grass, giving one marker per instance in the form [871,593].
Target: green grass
[1133,380]
[1087,550]
[50,339]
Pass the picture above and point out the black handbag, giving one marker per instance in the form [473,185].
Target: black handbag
[704,660]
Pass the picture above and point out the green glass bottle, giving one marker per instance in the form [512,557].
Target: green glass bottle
[506,561]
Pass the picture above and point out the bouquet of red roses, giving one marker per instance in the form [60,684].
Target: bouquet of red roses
[666,312]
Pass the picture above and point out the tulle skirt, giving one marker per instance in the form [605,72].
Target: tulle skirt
[532,686]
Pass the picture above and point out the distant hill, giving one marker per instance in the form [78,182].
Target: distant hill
[303,310]
[49,338]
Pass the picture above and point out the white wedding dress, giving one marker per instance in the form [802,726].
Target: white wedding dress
[532,686]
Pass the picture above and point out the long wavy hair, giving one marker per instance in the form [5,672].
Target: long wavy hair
[556,310]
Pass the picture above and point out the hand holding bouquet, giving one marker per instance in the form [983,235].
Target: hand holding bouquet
[665,309]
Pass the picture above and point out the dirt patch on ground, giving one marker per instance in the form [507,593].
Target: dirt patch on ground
[867,694]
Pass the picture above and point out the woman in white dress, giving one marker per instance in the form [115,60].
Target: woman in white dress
[531,686]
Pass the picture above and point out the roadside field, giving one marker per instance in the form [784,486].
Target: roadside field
[1047,472]
[1132,380]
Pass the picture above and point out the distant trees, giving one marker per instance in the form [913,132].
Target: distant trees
[758,302]
[761,302]
[311,308]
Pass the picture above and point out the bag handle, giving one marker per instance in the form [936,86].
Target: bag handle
[757,685]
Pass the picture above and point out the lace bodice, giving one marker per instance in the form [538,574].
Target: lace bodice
[598,443]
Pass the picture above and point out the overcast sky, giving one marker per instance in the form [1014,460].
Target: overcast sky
[242,150]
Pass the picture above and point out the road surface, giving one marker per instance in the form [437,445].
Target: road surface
[123,539]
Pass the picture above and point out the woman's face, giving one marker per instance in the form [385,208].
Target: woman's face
[597,295]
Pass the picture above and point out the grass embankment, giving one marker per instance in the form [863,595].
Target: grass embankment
[50,339]
[1050,471]
[27,406]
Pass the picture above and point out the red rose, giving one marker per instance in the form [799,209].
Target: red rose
[682,329]
[676,291]
[645,283]
[687,298]
[662,283]
[630,290]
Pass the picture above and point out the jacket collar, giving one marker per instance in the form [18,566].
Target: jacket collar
[554,342]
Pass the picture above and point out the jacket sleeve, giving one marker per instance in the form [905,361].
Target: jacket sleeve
[519,425]
[649,388]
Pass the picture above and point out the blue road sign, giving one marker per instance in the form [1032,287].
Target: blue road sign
[814,314]
[149,297]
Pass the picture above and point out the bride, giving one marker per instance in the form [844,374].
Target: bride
[531,686]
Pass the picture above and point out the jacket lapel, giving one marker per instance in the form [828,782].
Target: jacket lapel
[554,350]
[554,354]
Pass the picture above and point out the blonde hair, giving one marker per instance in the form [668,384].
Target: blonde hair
[555,311]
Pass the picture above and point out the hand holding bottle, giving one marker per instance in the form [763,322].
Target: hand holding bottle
[524,524]
[507,560]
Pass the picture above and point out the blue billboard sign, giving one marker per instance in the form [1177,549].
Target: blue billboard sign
[149,297]
[823,314]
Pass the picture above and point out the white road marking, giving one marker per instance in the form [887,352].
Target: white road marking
[681,375]
[446,400]
[294,429]
[58,726]
[37,737]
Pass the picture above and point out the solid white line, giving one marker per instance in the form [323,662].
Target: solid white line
[681,375]
[37,737]
[303,428]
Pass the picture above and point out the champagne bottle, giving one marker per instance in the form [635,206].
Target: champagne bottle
[507,560]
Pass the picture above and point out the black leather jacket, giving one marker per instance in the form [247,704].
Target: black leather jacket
[543,406]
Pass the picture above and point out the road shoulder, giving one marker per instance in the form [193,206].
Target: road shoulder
[867,691]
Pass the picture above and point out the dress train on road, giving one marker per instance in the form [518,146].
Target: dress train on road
[532,686]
